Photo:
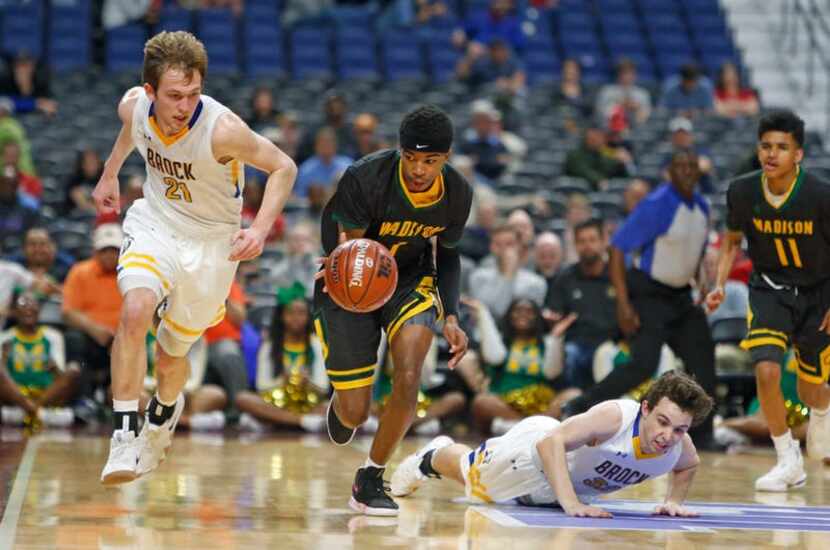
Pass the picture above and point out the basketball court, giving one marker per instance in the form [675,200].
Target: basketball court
[291,491]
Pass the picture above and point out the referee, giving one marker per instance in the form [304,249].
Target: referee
[665,237]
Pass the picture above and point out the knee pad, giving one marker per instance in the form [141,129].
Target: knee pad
[172,345]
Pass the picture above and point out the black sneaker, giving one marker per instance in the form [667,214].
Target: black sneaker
[369,494]
[338,433]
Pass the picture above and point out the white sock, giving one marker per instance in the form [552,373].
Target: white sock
[820,412]
[159,399]
[783,443]
[125,406]
[369,462]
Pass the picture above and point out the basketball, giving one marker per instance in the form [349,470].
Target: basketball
[361,275]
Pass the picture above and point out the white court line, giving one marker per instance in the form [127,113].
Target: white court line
[499,517]
[8,526]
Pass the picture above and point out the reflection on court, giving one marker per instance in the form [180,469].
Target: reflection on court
[292,492]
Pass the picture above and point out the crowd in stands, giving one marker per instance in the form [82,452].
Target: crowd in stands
[538,302]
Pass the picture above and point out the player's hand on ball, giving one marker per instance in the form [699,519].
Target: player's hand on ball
[106,195]
[714,299]
[457,340]
[674,510]
[246,244]
[586,511]
[322,260]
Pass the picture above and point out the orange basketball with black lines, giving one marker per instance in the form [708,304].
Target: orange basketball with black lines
[361,275]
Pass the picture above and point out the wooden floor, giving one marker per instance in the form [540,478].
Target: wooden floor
[292,491]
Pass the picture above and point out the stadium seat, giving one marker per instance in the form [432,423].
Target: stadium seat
[173,18]
[70,36]
[125,47]
[218,30]
[21,28]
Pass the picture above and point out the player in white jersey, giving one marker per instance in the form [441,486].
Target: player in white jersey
[613,445]
[183,240]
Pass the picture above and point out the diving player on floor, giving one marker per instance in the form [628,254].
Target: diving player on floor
[613,445]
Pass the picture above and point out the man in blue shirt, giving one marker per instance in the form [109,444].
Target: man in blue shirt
[666,236]
[322,169]
[688,95]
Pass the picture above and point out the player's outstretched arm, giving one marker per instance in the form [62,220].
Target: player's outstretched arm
[106,193]
[726,257]
[596,425]
[681,479]
[233,139]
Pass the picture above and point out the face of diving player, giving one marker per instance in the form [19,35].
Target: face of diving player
[662,426]
[175,99]
[421,168]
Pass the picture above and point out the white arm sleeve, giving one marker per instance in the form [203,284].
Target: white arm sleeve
[493,351]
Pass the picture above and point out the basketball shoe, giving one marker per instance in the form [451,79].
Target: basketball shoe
[408,477]
[787,474]
[122,464]
[818,436]
[157,438]
[369,494]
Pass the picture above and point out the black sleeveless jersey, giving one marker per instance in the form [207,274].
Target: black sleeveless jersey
[372,195]
[790,244]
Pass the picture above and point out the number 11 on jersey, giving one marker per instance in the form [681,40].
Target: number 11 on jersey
[782,252]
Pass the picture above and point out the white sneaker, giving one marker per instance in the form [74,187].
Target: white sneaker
[313,423]
[57,417]
[408,476]
[730,436]
[787,474]
[207,422]
[500,426]
[818,436]
[157,439]
[122,464]
[250,424]
[430,427]
[12,416]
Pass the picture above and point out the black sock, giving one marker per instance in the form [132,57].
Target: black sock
[159,413]
[426,465]
[126,421]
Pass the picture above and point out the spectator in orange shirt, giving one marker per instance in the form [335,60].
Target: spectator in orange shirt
[226,364]
[91,308]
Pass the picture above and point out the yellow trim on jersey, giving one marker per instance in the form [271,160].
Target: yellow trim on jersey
[431,196]
[354,383]
[639,454]
[351,371]
[235,172]
[420,308]
[812,374]
[781,199]
[165,139]
[299,347]
[149,268]
[318,328]
[148,257]
[748,344]
[182,329]
[219,316]
[35,338]
[768,332]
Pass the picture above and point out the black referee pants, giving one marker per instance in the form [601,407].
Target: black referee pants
[667,316]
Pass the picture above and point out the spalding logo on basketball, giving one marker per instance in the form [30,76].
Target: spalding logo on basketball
[361,275]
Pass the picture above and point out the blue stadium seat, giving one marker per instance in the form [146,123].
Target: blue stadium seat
[21,28]
[70,36]
[669,63]
[701,6]
[355,56]
[173,18]
[576,21]
[616,7]
[541,66]
[663,22]
[657,6]
[443,59]
[576,43]
[401,61]
[217,29]
[626,43]
[671,42]
[125,47]
[311,51]
[262,47]
[614,23]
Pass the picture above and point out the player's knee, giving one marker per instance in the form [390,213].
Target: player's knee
[353,413]
[137,313]
[768,373]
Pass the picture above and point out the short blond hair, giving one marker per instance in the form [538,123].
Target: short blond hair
[178,50]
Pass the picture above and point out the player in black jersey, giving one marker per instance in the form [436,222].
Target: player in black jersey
[784,213]
[410,200]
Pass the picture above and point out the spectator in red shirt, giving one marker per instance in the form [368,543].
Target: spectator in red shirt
[732,99]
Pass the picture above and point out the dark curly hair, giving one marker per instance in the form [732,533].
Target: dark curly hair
[785,121]
[682,390]
[427,127]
